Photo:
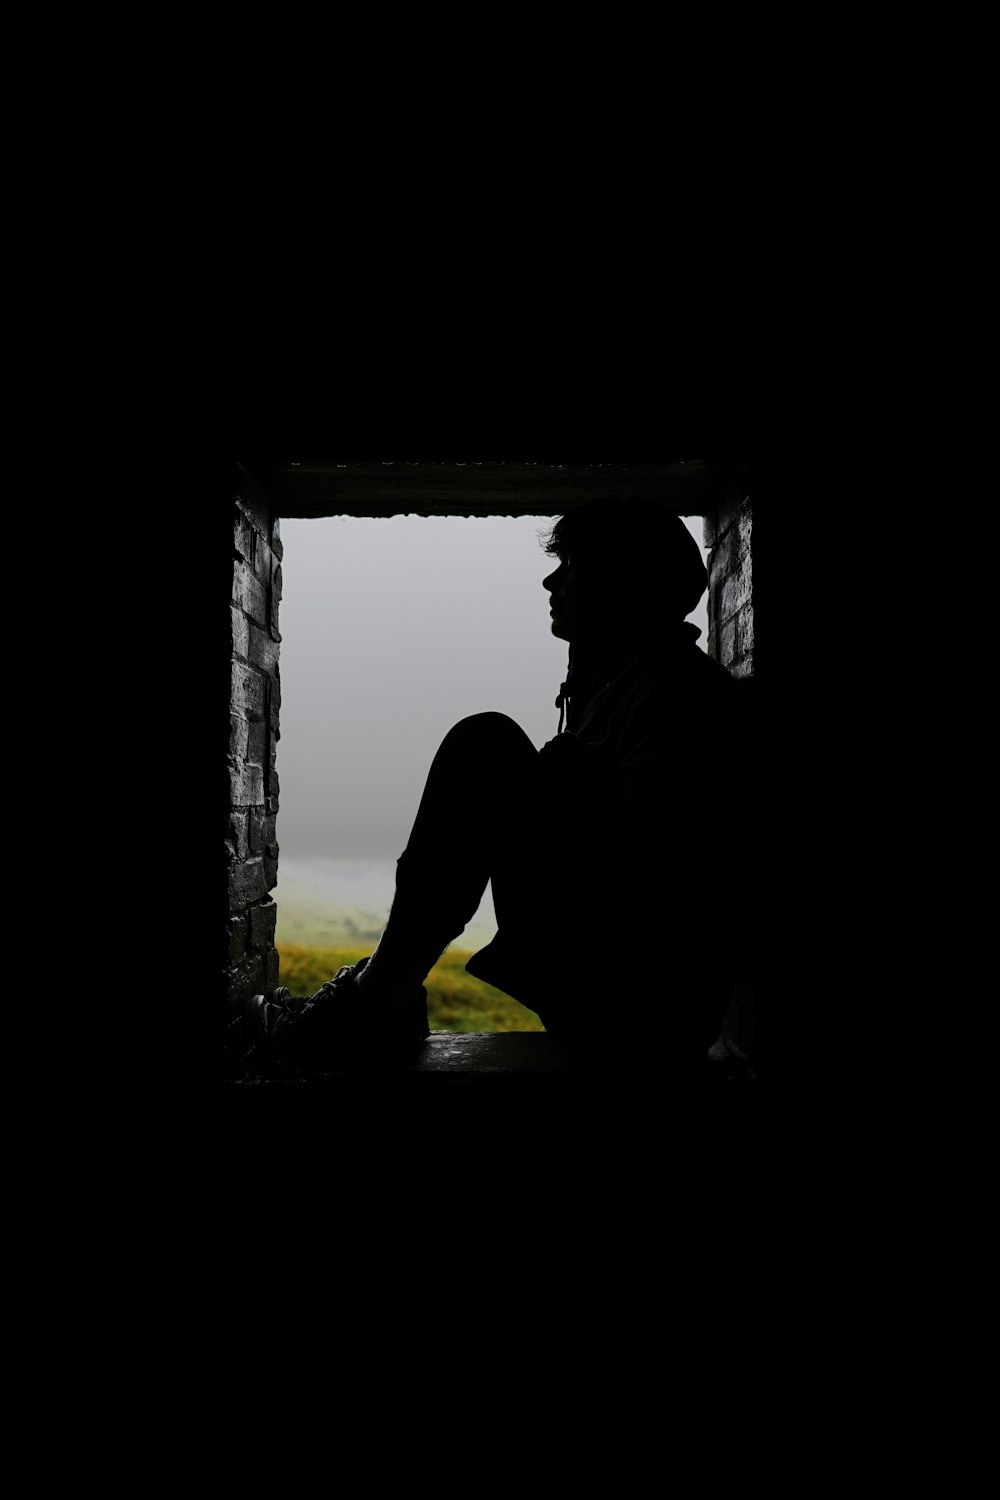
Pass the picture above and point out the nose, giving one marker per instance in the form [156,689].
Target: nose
[550,582]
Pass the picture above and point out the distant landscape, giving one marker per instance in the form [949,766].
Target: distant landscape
[330,903]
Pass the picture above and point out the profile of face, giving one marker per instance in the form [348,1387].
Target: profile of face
[583,604]
[627,568]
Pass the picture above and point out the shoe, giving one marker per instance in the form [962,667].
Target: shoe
[336,1027]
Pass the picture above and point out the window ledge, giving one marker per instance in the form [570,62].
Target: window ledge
[456,1053]
[478,1054]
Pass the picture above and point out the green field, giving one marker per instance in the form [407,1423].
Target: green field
[455,1000]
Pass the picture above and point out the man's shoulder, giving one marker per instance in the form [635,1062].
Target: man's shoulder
[690,671]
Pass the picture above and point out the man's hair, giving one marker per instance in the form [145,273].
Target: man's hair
[644,535]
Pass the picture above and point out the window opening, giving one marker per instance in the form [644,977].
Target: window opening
[392,630]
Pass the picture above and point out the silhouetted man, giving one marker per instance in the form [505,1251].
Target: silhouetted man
[600,845]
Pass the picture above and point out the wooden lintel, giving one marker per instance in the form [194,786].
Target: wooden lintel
[328,487]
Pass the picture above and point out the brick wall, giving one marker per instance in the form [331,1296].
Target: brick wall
[729,533]
[254,702]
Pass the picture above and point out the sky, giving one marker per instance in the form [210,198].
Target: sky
[392,630]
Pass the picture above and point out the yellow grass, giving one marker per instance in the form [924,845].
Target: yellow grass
[455,1000]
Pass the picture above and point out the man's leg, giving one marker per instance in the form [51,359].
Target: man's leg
[482,788]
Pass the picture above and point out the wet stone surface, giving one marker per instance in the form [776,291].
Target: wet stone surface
[456,1054]
[514,1055]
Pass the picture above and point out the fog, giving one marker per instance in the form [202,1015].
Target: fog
[391,631]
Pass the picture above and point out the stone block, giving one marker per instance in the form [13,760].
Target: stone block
[263,561]
[246,785]
[727,643]
[260,829]
[240,632]
[736,591]
[257,737]
[744,630]
[746,528]
[238,735]
[252,502]
[243,536]
[272,964]
[247,694]
[248,978]
[249,594]
[723,558]
[270,872]
[237,838]
[275,599]
[237,938]
[262,924]
[263,651]
[276,545]
[726,513]
[247,884]
[275,703]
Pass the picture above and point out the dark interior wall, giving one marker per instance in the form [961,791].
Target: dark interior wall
[254,702]
[290,49]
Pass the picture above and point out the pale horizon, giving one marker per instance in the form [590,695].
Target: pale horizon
[391,631]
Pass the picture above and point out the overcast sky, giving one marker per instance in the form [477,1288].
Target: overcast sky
[391,630]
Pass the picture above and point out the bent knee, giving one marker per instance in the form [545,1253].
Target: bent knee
[489,729]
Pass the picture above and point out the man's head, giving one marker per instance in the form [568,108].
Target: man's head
[626,568]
